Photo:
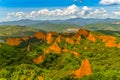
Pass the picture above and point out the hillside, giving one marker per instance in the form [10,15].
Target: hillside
[16,31]
[47,26]
[103,26]
[84,55]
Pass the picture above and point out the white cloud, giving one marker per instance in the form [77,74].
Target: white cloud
[64,13]
[16,14]
[109,2]
[70,12]
[117,13]
[20,14]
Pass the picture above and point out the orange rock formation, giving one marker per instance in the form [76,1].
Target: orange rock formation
[54,48]
[77,40]
[25,38]
[38,60]
[76,53]
[70,40]
[58,39]
[91,37]
[13,41]
[109,41]
[118,45]
[49,38]
[84,70]
[83,32]
[39,35]
[40,78]
[65,50]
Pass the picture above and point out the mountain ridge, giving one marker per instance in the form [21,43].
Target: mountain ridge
[77,21]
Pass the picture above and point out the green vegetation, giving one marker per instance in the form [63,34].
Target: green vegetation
[103,26]
[16,31]
[53,27]
[16,63]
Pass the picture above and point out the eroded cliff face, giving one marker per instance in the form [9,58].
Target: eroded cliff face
[53,48]
[13,41]
[83,32]
[70,40]
[92,37]
[25,38]
[84,70]
[39,35]
[109,41]
[58,39]
[39,59]
[49,38]
[53,37]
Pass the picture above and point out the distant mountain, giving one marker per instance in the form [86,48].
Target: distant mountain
[22,22]
[103,26]
[76,21]
[48,26]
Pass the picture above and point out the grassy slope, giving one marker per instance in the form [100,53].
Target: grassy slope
[103,26]
[53,27]
[16,31]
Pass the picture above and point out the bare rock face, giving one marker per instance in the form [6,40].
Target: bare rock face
[83,32]
[91,37]
[54,48]
[25,38]
[109,41]
[76,53]
[49,38]
[77,40]
[40,78]
[84,70]
[13,41]
[38,60]
[39,35]
[58,39]
[65,50]
[110,44]
[55,34]
[70,40]
[118,45]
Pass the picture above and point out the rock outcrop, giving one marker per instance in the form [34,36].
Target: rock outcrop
[25,38]
[40,78]
[13,41]
[38,60]
[70,40]
[76,53]
[39,35]
[118,45]
[92,37]
[84,70]
[58,39]
[49,38]
[109,41]
[83,32]
[53,48]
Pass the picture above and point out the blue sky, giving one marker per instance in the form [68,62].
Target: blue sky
[58,9]
[47,3]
